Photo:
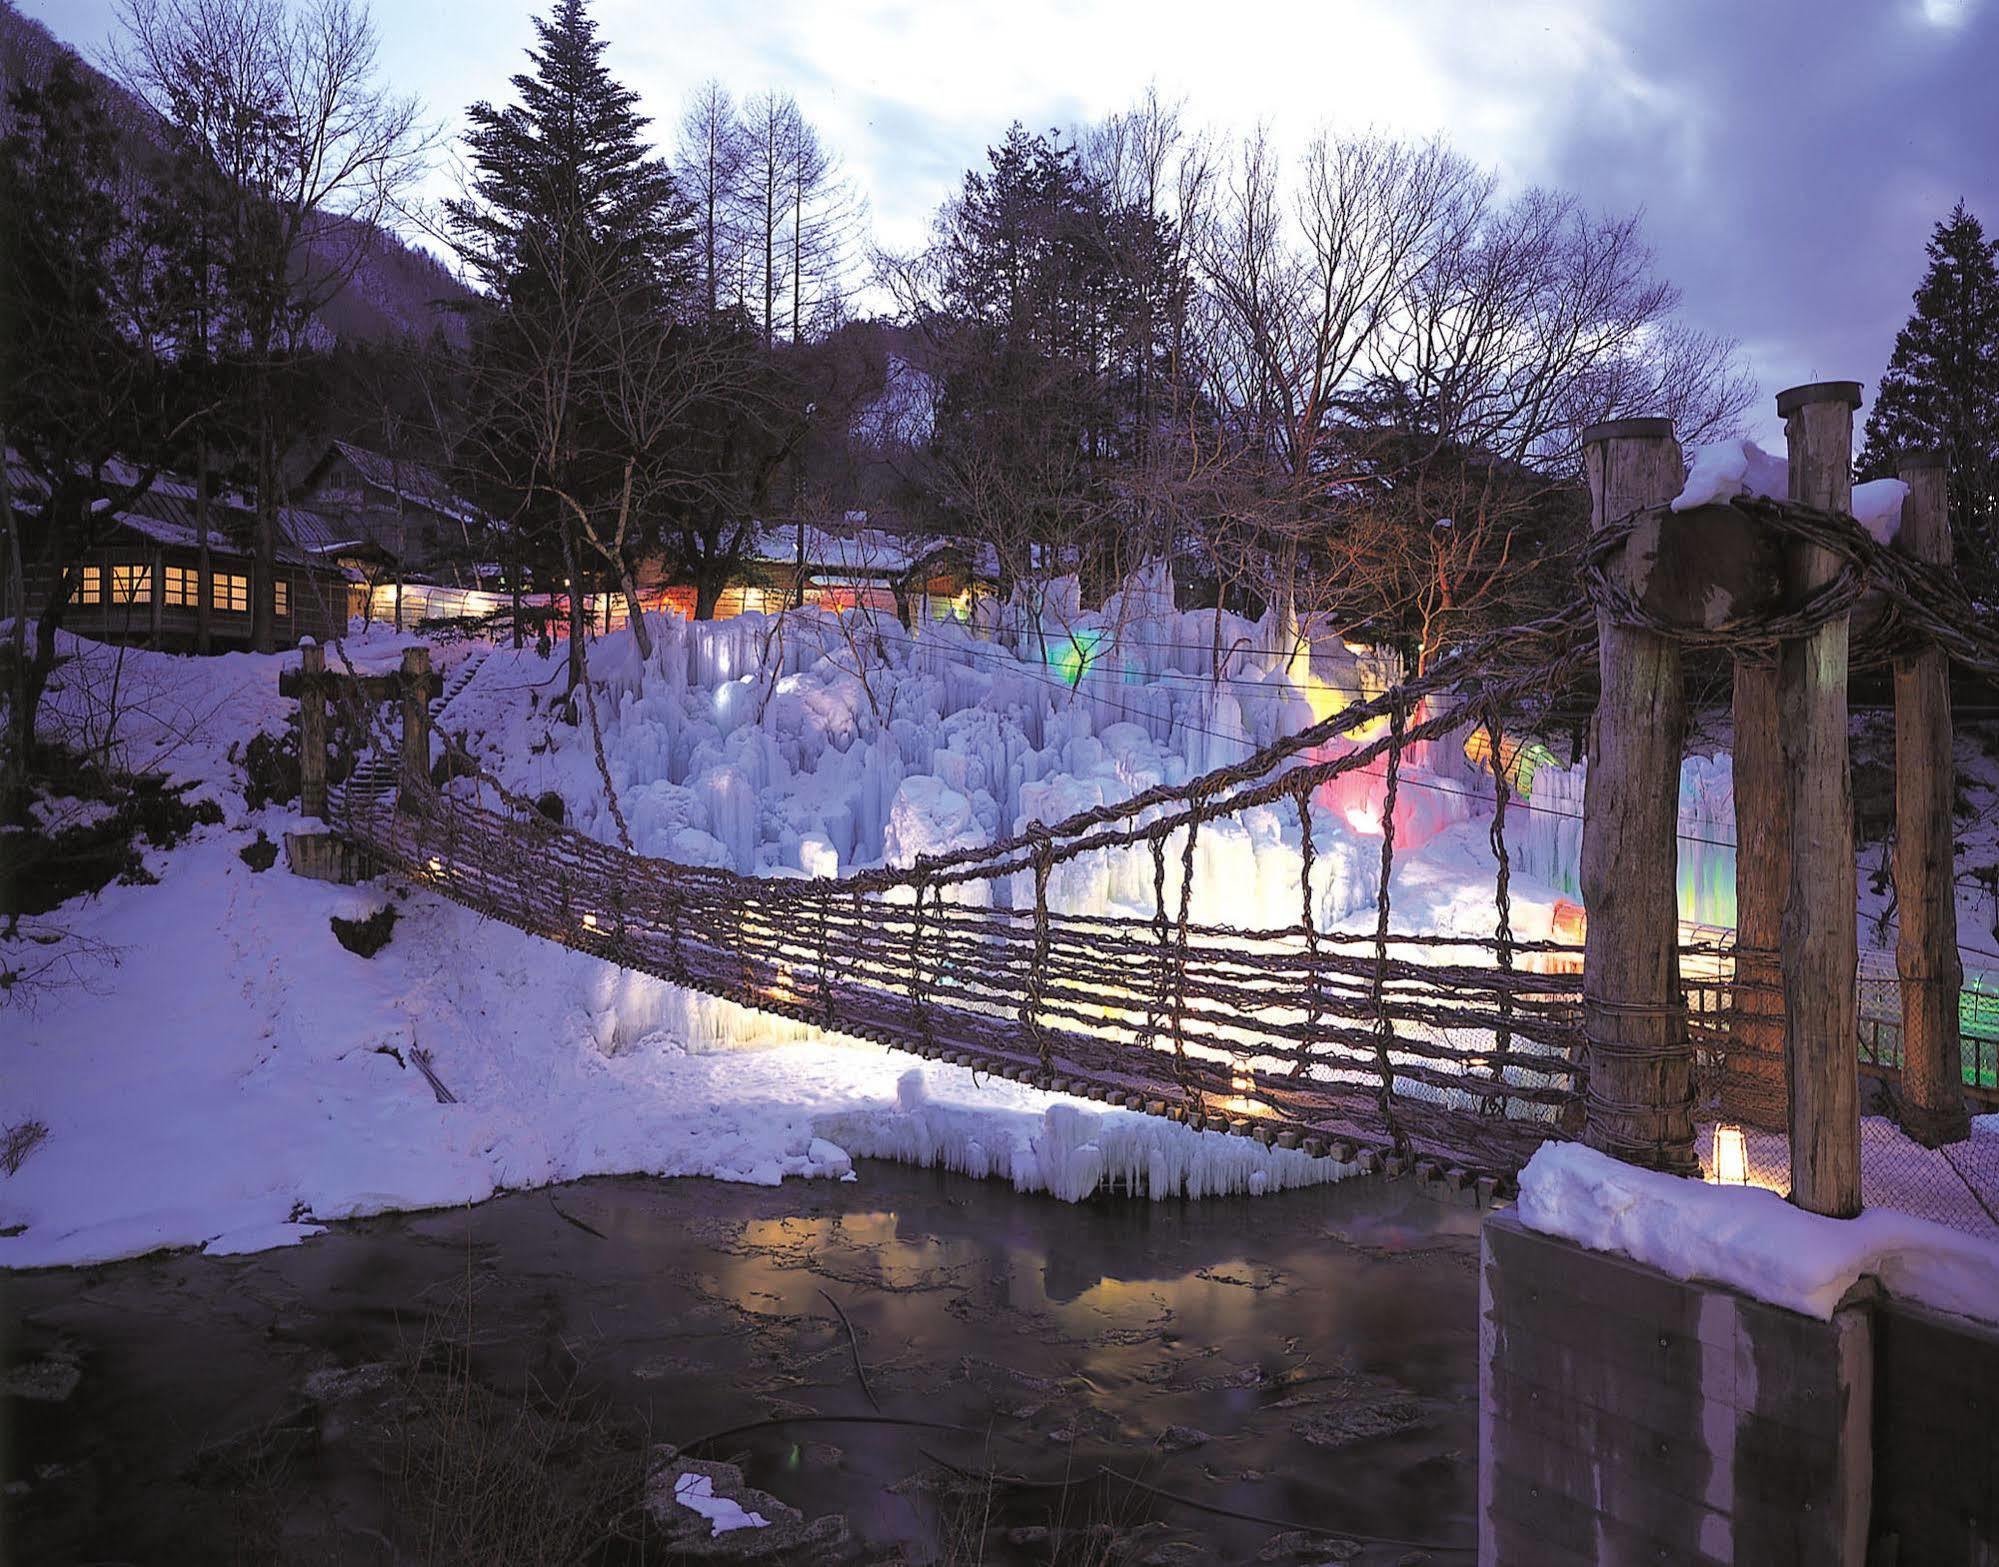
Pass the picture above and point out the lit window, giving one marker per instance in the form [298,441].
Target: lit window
[283,602]
[183,587]
[131,584]
[91,589]
[228,591]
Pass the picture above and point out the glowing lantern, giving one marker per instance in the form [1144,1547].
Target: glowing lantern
[589,922]
[1731,1157]
[436,866]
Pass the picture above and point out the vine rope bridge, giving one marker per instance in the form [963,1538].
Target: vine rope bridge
[1459,1054]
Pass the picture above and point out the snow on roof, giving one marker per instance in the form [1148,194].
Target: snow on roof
[413,481]
[865,551]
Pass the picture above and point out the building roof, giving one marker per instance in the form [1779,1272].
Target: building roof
[415,482]
[166,514]
[859,551]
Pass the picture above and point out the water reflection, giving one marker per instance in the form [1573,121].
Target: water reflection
[1306,1357]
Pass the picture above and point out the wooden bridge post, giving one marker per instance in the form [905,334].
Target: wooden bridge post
[1926,955]
[414,784]
[1754,1087]
[1820,929]
[312,730]
[1640,1102]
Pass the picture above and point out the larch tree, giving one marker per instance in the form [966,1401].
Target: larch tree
[1941,389]
[709,166]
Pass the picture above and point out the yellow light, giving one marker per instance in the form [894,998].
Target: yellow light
[1731,1157]
[589,922]
[436,865]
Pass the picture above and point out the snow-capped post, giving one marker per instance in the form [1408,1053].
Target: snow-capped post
[1820,932]
[414,785]
[312,730]
[1640,1060]
[1926,955]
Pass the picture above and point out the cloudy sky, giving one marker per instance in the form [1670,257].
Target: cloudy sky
[1790,155]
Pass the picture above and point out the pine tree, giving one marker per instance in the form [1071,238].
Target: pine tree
[585,245]
[1941,389]
[563,180]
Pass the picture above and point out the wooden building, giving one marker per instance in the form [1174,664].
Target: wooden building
[407,521]
[142,582]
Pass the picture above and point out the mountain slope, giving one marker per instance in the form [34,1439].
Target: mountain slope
[395,289]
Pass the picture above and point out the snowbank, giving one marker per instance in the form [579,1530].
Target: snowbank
[1753,1240]
[218,1089]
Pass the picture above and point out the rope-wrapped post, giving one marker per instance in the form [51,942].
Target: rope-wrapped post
[1820,931]
[1639,1057]
[312,730]
[413,786]
[1384,1025]
[1926,953]
[1502,896]
[1030,1004]
[1314,1003]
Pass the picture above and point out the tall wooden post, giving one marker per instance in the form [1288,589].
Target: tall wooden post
[1926,955]
[1753,1084]
[414,785]
[1640,1060]
[312,730]
[1820,930]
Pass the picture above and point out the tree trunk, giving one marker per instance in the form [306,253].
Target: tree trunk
[1820,934]
[264,558]
[635,611]
[1640,1057]
[1926,953]
[204,566]
[709,586]
[578,671]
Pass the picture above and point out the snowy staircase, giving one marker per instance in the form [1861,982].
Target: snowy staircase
[374,777]
[461,677]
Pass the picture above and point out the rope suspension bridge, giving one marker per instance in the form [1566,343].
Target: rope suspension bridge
[1454,1054]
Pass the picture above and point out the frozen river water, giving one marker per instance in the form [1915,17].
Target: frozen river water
[1304,1358]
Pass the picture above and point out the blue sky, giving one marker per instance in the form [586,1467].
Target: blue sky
[1790,157]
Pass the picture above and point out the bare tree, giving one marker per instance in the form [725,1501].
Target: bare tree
[709,167]
[287,101]
[772,132]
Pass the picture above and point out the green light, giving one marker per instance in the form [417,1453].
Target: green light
[1072,660]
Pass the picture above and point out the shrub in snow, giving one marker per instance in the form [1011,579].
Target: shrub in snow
[270,769]
[366,937]
[549,803]
[18,1141]
[260,855]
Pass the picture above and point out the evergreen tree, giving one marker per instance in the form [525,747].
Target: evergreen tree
[585,246]
[1941,389]
[80,382]
[563,181]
